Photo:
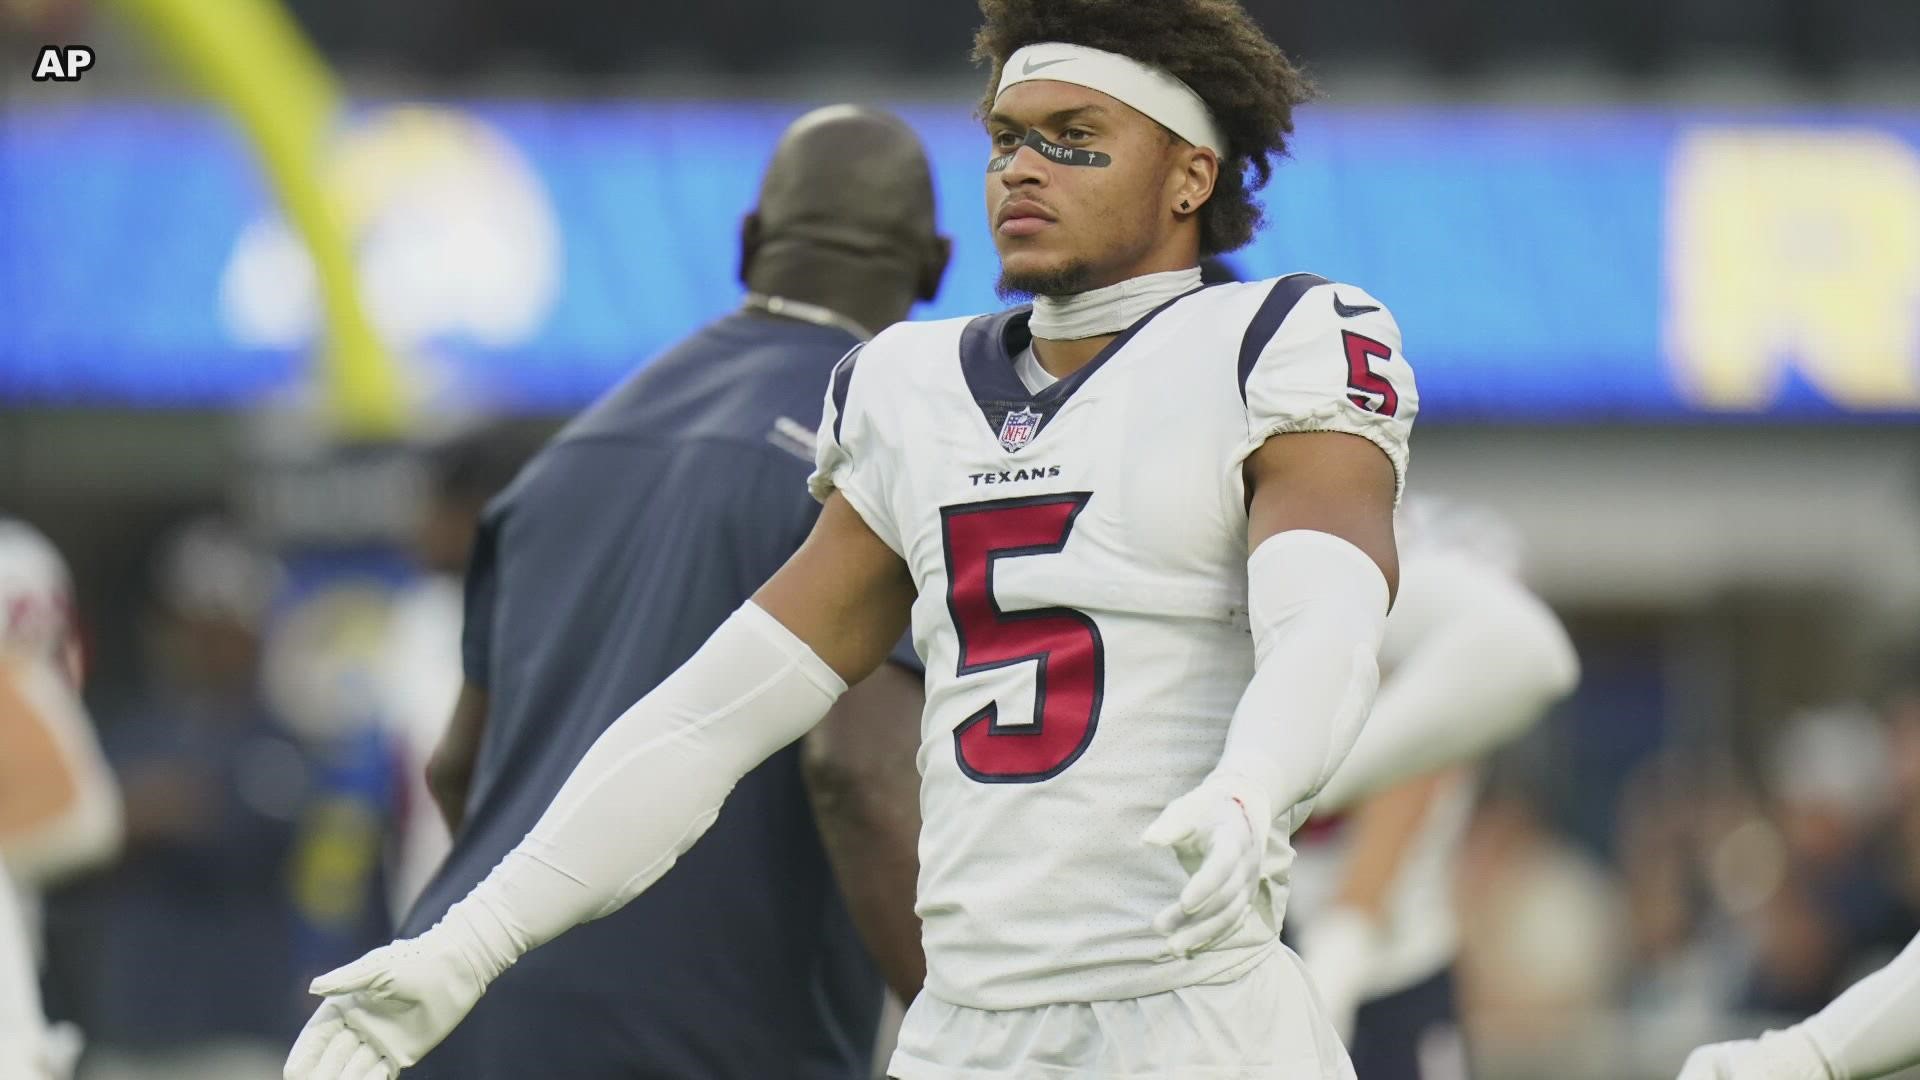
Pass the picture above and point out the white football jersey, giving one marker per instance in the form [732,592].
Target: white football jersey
[1080,555]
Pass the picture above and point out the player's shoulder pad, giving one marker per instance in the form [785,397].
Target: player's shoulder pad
[1299,312]
[894,358]
[1322,355]
[840,387]
[916,338]
[916,344]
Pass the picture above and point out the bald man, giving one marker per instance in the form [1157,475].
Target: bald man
[616,552]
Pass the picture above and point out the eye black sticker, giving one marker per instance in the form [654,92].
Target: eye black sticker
[1054,152]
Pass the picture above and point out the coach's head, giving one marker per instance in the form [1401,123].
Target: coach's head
[1127,137]
[845,218]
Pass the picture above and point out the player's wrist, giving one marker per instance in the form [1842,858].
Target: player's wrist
[523,903]
[475,931]
[1243,780]
[1793,1054]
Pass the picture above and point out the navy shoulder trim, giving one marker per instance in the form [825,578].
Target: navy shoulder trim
[842,382]
[986,356]
[1266,322]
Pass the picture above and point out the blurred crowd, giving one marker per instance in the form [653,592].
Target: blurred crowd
[1726,899]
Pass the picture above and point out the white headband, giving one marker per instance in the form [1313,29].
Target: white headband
[1149,90]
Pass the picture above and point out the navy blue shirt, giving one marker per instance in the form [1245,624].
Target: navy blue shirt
[617,551]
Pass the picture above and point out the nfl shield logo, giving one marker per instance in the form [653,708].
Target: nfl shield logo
[1018,429]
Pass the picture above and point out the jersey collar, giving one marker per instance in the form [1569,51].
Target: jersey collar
[987,348]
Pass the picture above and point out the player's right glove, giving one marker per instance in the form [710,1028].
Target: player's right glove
[1776,1055]
[384,1011]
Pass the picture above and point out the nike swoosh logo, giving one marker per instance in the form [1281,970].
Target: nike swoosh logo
[1346,311]
[1030,67]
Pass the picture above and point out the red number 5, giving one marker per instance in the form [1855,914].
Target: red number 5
[1063,644]
[1363,380]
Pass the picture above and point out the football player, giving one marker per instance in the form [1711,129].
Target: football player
[1471,659]
[1144,533]
[59,806]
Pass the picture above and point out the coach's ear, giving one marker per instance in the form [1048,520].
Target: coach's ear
[934,269]
[749,244]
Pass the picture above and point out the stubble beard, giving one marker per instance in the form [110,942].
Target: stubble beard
[1066,280]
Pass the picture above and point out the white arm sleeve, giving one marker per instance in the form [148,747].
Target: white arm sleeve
[652,784]
[1474,660]
[1319,607]
[87,832]
[1869,1030]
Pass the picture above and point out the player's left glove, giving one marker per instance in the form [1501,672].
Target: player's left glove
[1776,1055]
[1219,833]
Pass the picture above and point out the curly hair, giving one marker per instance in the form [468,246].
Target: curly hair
[1214,46]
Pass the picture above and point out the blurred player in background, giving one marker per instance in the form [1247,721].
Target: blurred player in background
[59,807]
[619,549]
[1144,532]
[1471,659]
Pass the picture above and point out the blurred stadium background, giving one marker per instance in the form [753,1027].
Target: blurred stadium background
[1658,262]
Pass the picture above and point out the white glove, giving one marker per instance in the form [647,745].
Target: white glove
[1339,947]
[328,1049]
[1776,1055]
[1219,833]
[385,1010]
